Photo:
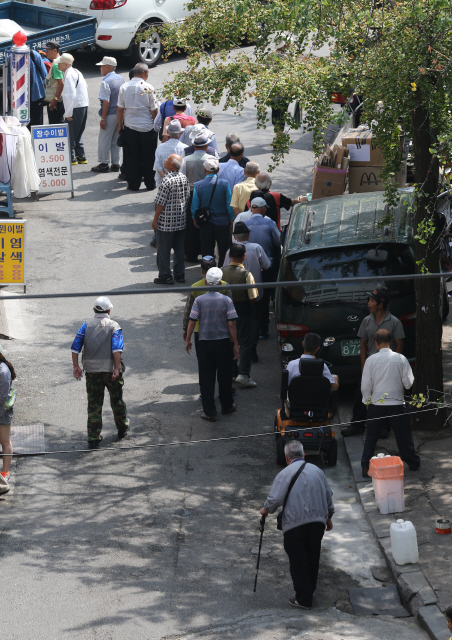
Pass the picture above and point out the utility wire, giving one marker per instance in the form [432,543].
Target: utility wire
[191,442]
[228,287]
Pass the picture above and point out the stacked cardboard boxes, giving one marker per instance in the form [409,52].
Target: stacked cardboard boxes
[330,172]
[366,162]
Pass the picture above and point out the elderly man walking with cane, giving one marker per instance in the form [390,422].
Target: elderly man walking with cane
[305,495]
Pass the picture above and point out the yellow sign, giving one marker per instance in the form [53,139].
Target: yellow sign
[12,252]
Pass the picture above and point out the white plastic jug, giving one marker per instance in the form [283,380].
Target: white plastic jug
[404,542]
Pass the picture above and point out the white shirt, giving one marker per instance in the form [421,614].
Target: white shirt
[294,369]
[75,91]
[173,145]
[138,99]
[385,375]
[255,260]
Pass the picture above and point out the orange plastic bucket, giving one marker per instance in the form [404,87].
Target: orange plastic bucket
[386,468]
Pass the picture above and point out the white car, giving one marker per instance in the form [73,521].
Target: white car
[119,21]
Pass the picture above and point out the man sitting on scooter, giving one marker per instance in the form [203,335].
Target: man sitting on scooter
[311,345]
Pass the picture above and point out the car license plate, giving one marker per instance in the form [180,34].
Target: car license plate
[350,347]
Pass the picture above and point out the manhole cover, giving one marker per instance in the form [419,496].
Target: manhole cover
[28,440]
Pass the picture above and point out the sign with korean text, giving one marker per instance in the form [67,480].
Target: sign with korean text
[53,157]
[12,252]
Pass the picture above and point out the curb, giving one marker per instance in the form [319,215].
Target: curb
[414,589]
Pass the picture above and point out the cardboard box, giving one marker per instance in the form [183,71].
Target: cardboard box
[342,157]
[328,182]
[366,179]
[362,150]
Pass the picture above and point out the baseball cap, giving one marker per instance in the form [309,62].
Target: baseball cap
[201,139]
[214,275]
[379,295]
[102,304]
[179,102]
[204,111]
[52,44]
[174,127]
[207,262]
[240,227]
[107,60]
[211,164]
[259,202]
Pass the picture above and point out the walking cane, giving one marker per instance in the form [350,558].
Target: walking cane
[261,528]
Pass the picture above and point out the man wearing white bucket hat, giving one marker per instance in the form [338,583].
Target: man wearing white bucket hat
[102,343]
[75,100]
[188,139]
[216,314]
[108,134]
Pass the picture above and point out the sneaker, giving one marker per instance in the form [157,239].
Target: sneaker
[123,432]
[294,602]
[204,416]
[245,381]
[263,335]
[4,478]
[82,160]
[100,168]
[168,280]
[74,161]
[115,168]
[230,410]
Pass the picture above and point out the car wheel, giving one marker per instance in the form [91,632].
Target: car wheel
[279,441]
[150,50]
[331,454]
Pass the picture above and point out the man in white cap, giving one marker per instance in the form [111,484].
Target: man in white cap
[164,150]
[215,194]
[137,108]
[167,109]
[243,190]
[108,134]
[216,315]
[75,100]
[194,170]
[180,107]
[102,343]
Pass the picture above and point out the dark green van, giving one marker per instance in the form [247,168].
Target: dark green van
[343,237]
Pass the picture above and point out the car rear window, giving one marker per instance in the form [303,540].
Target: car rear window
[343,263]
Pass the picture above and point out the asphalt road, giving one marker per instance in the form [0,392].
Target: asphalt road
[153,542]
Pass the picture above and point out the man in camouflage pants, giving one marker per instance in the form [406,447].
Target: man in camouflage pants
[102,342]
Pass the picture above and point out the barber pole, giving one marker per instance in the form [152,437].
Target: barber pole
[19,57]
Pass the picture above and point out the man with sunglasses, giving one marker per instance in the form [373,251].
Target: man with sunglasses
[379,318]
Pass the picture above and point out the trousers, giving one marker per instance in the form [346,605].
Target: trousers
[359,415]
[397,417]
[244,325]
[303,544]
[269,275]
[106,146]
[215,361]
[56,116]
[95,389]
[167,240]
[192,241]
[211,234]
[76,128]
[139,152]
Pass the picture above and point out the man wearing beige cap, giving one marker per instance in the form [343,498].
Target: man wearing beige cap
[75,100]
[108,134]
[215,194]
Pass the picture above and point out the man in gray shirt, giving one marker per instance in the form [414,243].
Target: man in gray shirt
[378,318]
[386,375]
[307,514]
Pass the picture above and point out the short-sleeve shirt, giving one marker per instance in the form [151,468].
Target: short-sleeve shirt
[294,369]
[138,99]
[173,194]
[369,327]
[213,310]
[56,73]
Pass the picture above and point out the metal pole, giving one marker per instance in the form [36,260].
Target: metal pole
[262,526]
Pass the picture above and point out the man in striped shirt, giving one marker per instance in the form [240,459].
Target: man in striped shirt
[216,315]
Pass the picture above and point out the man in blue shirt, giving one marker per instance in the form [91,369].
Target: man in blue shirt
[221,213]
[102,343]
[231,170]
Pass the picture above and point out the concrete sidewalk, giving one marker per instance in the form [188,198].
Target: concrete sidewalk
[425,588]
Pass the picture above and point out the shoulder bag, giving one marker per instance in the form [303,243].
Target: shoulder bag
[279,517]
[202,215]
